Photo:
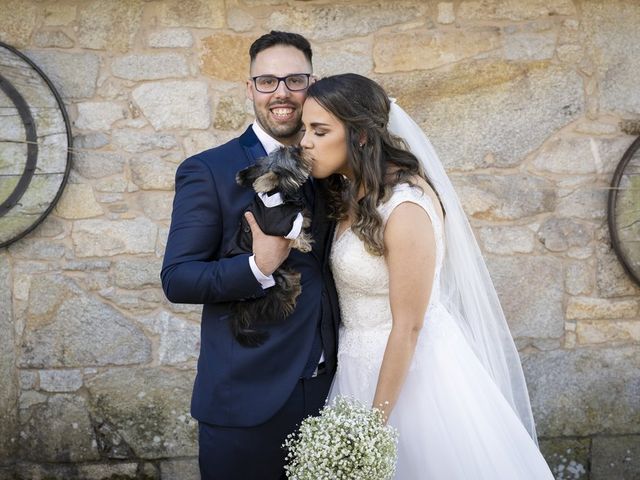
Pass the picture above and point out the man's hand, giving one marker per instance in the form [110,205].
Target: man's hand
[269,251]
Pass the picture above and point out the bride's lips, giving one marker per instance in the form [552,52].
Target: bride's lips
[282,113]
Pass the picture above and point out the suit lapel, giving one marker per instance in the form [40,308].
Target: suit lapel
[252,147]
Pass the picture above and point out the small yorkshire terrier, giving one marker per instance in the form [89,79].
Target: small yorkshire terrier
[279,209]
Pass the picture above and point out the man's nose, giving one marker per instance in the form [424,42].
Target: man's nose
[282,90]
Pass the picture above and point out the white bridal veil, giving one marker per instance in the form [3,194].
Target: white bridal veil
[466,287]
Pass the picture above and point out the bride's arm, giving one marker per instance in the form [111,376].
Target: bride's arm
[410,255]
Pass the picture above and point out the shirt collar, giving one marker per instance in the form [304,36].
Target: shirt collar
[268,142]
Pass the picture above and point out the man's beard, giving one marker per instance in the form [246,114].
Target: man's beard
[279,131]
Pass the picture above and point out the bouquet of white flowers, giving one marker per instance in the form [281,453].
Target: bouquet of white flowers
[348,441]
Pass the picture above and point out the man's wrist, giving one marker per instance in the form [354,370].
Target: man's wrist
[266,281]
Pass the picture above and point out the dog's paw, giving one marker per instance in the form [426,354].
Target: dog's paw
[303,242]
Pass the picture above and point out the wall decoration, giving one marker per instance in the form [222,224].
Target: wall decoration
[624,211]
[35,145]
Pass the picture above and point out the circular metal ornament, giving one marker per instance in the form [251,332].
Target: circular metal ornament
[623,213]
[35,145]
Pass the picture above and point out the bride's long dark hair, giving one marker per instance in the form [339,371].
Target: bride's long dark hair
[378,160]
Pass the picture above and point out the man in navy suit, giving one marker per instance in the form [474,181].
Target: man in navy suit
[245,399]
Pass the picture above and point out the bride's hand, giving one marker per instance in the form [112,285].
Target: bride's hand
[385,408]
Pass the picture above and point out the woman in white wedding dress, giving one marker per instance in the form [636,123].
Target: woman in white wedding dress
[423,336]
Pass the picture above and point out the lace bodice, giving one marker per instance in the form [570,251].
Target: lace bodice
[362,279]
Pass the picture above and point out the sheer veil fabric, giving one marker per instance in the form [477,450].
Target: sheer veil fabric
[465,284]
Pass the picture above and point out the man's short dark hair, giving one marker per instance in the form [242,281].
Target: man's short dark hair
[280,38]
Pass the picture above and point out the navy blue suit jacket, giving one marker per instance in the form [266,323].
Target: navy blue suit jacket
[235,385]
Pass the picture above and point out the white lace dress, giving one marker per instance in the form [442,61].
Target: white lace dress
[453,421]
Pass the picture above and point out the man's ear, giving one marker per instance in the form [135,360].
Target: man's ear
[266,182]
[250,89]
[313,79]
[247,176]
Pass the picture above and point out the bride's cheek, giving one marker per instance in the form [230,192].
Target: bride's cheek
[316,170]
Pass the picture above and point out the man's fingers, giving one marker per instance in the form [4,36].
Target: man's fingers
[255,228]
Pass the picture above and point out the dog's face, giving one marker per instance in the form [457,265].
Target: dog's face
[285,169]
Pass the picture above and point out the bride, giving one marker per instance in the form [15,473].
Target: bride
[423,336]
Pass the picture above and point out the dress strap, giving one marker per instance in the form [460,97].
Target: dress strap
[407,193]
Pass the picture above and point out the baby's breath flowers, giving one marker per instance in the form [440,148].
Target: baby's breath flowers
[348,441]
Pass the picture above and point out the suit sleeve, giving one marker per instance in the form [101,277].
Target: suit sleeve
[190,271]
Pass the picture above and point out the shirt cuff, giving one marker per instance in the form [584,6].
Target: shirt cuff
[265,281]
[296,229]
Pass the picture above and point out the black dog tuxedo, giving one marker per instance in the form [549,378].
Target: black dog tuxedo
[279,210]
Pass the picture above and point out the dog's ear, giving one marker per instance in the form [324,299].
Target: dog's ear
[247,176]
[267,182]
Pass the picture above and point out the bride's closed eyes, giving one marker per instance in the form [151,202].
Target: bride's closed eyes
[315,131]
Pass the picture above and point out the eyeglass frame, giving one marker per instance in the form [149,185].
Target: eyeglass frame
[283,80]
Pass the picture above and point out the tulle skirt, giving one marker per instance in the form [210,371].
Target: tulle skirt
[453,422]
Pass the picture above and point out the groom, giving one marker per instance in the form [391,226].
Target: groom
[247,400]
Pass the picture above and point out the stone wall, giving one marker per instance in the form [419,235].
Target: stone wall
[530,103]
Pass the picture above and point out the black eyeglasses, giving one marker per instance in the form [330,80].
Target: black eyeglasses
[270,83]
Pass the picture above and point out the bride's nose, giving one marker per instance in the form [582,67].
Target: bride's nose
[305,143]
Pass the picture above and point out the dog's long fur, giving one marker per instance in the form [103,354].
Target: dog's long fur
[283,171]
